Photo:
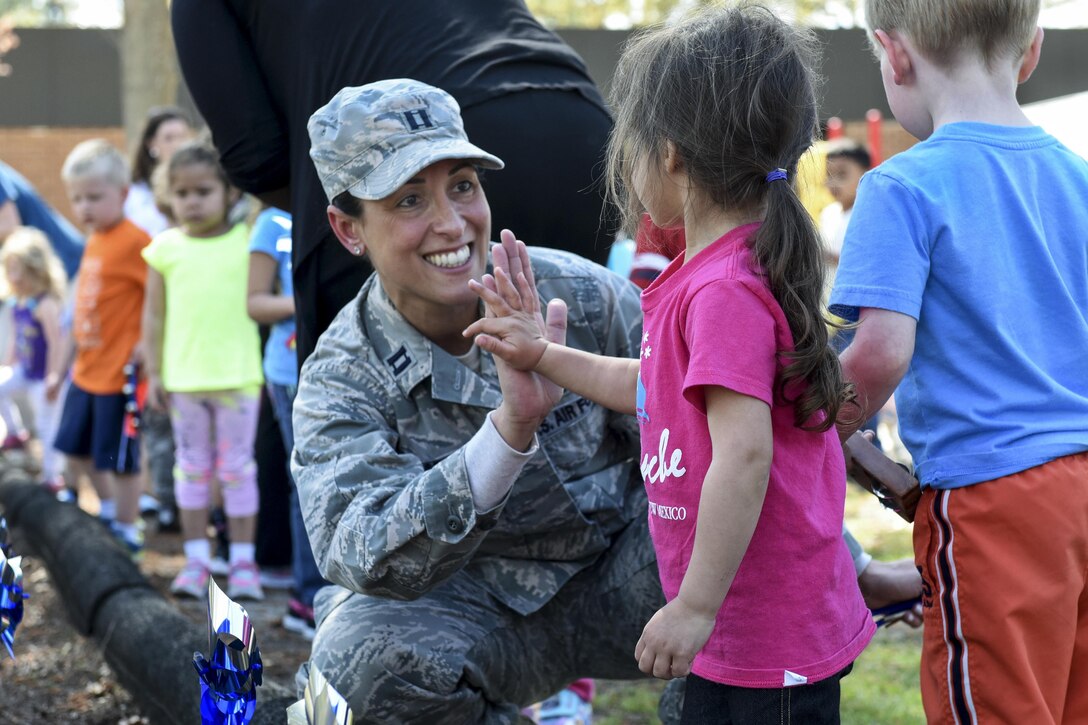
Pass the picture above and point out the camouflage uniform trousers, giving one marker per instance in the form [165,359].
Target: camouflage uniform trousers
[157,435]
[457,655]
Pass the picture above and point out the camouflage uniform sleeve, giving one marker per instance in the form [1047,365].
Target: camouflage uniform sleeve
[378,521]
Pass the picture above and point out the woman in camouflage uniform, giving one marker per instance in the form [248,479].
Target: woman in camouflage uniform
[485,531]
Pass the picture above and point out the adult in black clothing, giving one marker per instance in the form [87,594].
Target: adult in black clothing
[257,69]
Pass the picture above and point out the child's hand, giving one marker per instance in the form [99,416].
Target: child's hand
[671,639]
[138,357]
[513,328]
[53,383]
[157,397]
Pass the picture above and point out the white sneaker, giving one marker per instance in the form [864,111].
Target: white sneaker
[149,505]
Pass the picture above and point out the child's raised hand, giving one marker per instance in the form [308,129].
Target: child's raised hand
[513,328]
[671,639]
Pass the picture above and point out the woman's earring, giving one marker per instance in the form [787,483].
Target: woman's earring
[356,251]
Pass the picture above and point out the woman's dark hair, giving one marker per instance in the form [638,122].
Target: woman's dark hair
[348,204]
[142,161]
[733,89]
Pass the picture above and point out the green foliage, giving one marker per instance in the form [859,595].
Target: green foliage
[637,13]
[622,14]
[35,13]
[627,703]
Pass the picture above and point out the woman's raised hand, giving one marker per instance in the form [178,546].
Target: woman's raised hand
[513,328]
[516,334]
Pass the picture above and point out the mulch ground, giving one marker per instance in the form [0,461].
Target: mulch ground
[60,676]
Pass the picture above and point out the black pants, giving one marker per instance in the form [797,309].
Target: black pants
[549,194]
[273,541]
[711,703]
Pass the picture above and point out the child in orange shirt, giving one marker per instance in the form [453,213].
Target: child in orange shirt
[106,329]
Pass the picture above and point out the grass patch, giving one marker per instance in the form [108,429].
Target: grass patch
[883,688]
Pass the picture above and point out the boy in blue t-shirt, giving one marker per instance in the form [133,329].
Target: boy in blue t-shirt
[271,302]
[966,263]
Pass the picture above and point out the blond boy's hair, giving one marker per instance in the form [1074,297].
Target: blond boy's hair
[96,158]
[32,249]
[941,29]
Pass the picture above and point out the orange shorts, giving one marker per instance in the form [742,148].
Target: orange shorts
[1005,568]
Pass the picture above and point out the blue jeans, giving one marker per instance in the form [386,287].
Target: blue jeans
[303,567]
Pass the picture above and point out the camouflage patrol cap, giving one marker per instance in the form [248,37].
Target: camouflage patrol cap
[369,140]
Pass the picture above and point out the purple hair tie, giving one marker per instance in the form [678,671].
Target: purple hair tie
[776,175]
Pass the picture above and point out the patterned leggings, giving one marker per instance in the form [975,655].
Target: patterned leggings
[213,435]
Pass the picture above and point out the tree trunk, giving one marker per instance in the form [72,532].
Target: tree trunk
[149,67]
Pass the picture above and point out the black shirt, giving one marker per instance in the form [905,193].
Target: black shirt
[258,69]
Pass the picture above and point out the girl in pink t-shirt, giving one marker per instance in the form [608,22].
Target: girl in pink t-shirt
[736,389]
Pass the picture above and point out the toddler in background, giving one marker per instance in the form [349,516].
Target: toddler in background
[106,331]
[271,302]
[165,130]
[204,365]
[35,360]
[847,160]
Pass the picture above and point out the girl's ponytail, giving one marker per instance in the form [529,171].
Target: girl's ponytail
[787,247]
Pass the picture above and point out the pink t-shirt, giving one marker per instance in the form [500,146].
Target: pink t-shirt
[794,613]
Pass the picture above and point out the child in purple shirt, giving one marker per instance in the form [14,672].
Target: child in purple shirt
[36,280]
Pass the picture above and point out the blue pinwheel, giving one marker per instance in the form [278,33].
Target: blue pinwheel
[11,599]
[229,680]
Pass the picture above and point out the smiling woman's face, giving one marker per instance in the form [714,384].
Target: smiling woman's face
[427,239]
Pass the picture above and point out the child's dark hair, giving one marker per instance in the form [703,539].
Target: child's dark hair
[142,161]
[193,153]
[845,148]
[733,89]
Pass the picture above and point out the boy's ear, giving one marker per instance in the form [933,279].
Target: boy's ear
[1031,58]
[347,231]
[899,59]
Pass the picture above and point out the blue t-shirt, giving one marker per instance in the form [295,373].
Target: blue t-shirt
[272,236]
[980,233]
[66,241]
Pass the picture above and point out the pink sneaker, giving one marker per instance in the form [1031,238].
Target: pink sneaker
[563,708]
[299,619]
[244,582]
[14,441]
[192,581]
[54,485]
